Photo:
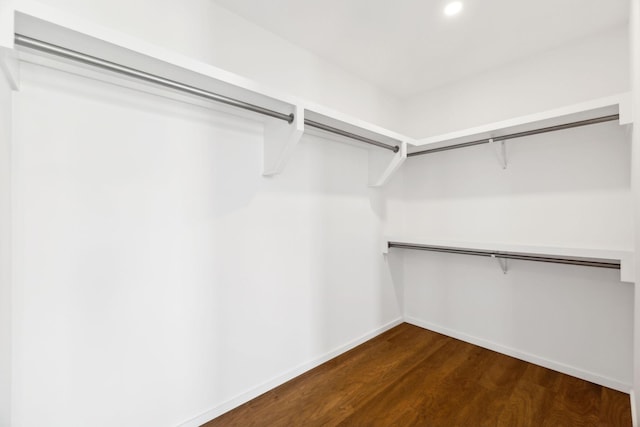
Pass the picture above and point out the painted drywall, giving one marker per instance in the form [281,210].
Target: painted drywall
[158,274]
[5,252]
[594,67]
[634,52]
[568,188]
[210,33]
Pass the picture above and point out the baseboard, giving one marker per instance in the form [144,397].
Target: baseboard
[634,414]
[281,379]
[527,357]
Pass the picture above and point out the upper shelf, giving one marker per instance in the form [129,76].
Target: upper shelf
[616,104]
[41,22]
[38,21]
[594,256]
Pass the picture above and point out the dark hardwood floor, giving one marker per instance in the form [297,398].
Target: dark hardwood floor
[409,376]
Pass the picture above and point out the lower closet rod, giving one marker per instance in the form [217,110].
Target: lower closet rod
[508,255]
[520,134]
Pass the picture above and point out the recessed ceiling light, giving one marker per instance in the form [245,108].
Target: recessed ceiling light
[453,8]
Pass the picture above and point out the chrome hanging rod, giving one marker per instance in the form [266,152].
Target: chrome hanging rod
[509,255]
[52,49]
[520,134]
[147,77]
[341,132]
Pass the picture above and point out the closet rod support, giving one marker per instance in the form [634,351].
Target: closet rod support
[73,55]
[502,262]
[501,146]
[321,126]
[587,122]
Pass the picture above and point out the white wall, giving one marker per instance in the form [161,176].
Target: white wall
[159,275]
[568,188]
[634,53]
[595,67]
[5,252]
[208,32]
[562,189]
[6,23]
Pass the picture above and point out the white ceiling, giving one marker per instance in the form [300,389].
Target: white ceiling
[408,46]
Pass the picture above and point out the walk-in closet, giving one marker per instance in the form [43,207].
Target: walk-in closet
[319,213]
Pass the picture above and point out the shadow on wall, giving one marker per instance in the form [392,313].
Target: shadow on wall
[119,127]
[583,159]
[393,267]
[321,165]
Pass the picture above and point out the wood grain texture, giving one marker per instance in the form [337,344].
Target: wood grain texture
[409,376]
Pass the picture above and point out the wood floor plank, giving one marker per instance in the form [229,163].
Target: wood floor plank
[481,389]
[325,395]
[527,406]
[504,371]
[544,377]
[396,404]
[409,376]
[615,408]
[581,397]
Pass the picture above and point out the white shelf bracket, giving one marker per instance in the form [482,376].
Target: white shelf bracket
[627,268]
[501,149]
[625,109]
[280,139]
[502,262]
[382,165]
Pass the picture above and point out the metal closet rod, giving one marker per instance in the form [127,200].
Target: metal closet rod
[508,255]
[520,134]
[52,49]
[141,75]
[337,131]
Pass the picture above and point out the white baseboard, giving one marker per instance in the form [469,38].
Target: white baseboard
[527,357]
[634,414]
[281,379]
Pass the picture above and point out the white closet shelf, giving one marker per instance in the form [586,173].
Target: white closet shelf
[41,22]
[594,257]
[619,104]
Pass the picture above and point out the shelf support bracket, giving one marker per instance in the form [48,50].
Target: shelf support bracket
[501,150]
[382,166]
[502,262]
[280,139]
